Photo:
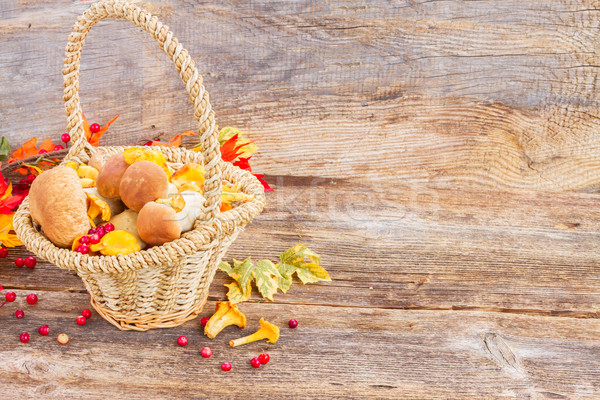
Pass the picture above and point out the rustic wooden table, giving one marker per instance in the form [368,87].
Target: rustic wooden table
[441,157]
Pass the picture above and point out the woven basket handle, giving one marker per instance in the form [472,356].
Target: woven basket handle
[184,65]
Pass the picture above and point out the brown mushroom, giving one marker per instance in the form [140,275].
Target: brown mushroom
[58,204]
[157,224]
[165,220]
[110,176]
[98,159]
[142,182]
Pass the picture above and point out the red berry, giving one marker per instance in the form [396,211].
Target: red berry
[65,137]
[30,262]
[44,330]
[108,227]
[19,314]
[32,299]
[23,181]
[293,323]
[3,252]
[206,352]
[83,249]
[19,262]
[58,147]
[100,231]
[92,231]
[1,288]
[255,362]
[86,313]
[31,178]
[42,151]
[94,128]
[10,296]
[81,320]
[203,321]
[24,338]
[95,238]
[264,358]
[84,240]
[226,366]
[182,340]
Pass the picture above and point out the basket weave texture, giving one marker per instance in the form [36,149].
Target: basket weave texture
[166,285]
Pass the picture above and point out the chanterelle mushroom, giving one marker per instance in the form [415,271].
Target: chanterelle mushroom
[225,314]
[141,183]
[266,331]
[109,177]
[58,203]
[165,220]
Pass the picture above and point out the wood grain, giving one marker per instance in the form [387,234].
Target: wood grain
[441,157]
[337,352]
[483,94]
[417,248]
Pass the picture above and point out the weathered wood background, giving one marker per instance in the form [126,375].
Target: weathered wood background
[441,156]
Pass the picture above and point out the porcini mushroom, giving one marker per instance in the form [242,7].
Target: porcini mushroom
[225,314]
[142,182]
[58,204]
[109,177]
[266,331]
[162,221]
[98,159]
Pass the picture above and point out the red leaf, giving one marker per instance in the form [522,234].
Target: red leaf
[264,183]
[243,163]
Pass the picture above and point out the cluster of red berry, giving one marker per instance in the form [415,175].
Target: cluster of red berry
[43,330]
[29,262]
[255,362]
[93,237]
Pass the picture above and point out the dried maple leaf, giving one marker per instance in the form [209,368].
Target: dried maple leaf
[7,238]
[264,183]
[173,142]
[269,277]
[94,138]
[9,201]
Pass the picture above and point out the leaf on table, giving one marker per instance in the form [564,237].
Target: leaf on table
[308,271]
[235,293]
[266,275]
[269,277]
[285,271]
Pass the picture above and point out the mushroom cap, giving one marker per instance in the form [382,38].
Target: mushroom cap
[144,181]
[157,224]
[58,203]
[98,159]
[110,176]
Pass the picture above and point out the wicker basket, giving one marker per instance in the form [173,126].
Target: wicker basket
[166,285]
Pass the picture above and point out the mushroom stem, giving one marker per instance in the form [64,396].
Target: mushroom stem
[266,331]
[225,314]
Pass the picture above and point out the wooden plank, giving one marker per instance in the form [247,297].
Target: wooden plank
[484,94]
[336,352]
[398,246]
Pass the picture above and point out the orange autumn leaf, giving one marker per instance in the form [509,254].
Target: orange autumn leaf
[29,149]
[175,141]
[94,138]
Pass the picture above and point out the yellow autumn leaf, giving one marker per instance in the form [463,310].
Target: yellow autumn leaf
[232,194]
[228,132]
[189,177]
[135,154]
[96,207]
[7,238]
[116,242]
[235,294]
